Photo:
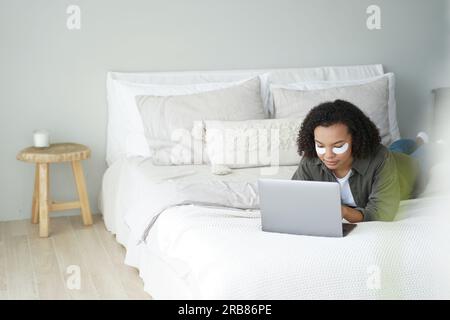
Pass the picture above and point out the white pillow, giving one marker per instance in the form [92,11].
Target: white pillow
[315,85]
[168,120]
[128,116]
[252,143]
[372,98]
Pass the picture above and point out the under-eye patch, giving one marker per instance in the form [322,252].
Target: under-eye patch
[320,150]
[341,150]
[336,150]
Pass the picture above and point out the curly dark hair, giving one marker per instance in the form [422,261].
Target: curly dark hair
[365,134]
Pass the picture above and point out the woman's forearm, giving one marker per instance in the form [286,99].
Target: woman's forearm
[352,215]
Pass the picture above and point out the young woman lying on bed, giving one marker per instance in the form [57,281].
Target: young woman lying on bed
[340,143]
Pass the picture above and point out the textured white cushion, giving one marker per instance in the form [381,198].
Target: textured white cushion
[371,97]
[252,143]
[168,120]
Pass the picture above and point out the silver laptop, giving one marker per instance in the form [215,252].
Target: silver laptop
[302,207]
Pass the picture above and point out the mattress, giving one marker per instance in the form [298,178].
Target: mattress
[200,252]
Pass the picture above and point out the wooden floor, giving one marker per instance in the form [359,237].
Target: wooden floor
[48,268]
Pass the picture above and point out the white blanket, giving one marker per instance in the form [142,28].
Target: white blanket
[226,257]
[221,253]
[240,197]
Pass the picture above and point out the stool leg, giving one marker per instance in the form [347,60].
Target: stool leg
[82,193]
[35,204]
[43,199]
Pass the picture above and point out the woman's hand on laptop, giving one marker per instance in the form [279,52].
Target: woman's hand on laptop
[351,215]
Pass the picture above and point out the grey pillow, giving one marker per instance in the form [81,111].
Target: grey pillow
[372,98]
[168,121]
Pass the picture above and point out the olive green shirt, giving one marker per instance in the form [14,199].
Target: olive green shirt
[378,182]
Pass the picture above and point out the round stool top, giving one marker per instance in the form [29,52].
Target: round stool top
[57,152]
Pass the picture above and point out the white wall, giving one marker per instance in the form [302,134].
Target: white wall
[55,78]
[442,71]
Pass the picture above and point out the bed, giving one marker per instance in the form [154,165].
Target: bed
[195,250]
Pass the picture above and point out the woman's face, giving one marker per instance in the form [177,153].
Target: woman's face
[334,146]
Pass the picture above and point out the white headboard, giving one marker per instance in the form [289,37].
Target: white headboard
[118,132]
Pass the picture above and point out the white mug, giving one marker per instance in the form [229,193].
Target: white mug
[41,138]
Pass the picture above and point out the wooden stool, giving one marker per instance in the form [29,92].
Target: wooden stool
[59,152]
